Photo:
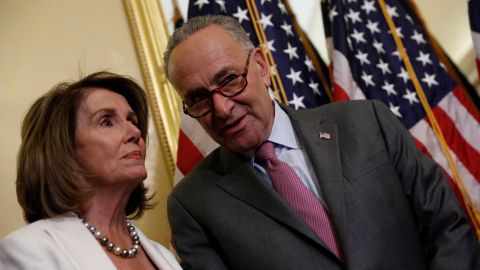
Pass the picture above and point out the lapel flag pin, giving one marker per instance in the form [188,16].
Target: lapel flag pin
[324,135]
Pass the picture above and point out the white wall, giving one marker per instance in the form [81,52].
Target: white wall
[43,42]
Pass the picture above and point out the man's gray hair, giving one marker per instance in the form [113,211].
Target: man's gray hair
[195,24]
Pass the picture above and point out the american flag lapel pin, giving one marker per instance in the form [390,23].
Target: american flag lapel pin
[324,135]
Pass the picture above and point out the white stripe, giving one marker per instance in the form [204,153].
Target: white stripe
[476,43]
[194,131]
[422,132]
[342,75]
[177,176]
[467,126]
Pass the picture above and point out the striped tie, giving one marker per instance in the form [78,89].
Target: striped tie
[287,183]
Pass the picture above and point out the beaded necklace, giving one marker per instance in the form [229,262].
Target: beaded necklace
[104,241]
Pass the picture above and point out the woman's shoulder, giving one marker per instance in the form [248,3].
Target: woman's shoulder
[36,231]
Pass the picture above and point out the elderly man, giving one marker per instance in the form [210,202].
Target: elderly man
[341,186]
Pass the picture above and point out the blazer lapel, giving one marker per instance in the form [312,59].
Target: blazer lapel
[320,140]
[79,245]
[154,253]
[243,183]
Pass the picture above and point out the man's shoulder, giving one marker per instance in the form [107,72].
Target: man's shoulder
[341,109]
[205,172]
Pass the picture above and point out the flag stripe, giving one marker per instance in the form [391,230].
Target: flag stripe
[342,76]
[423,133]
[461,119]
[467,155]
[188,154]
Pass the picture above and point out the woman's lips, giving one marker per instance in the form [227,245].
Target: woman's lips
[133,155]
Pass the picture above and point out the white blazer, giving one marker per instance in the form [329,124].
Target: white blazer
[63,242]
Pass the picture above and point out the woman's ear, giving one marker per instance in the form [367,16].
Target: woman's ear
[261,61]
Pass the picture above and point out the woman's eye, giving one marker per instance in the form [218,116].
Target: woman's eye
[106,122]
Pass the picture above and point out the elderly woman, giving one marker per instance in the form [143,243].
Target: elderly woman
[80,173]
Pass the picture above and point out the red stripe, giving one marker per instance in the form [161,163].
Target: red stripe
[464,151]
[188,154]
[339,94]
[478,65]
[463,97]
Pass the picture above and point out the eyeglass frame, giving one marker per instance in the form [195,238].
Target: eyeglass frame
[219,90]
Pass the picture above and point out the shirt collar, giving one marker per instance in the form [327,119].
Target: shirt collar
[282,130]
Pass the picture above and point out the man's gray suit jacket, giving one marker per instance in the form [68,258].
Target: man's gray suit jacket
[391,206]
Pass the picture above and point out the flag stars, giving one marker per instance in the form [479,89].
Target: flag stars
[309,64]
[429,79]
[398,31]
[282,8]
[397,54]
[332,13]
[297,101]
[241,14]
[294,76]
[404,75]
[395,109]
[362,57]
[287,28]
[200,3]
[291,51]
[354,16]
[392,11]
[411,97]
[221,3]
[266,21]
[358,36]
[424,58]
[270,45]
[368,79]
[418,37]
[314,86]
[378,46]
[383,67]
[388,87]
[368,6]
[373,27]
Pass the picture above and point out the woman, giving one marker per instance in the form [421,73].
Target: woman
[80,172]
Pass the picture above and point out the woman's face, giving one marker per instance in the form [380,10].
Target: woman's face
[108,144]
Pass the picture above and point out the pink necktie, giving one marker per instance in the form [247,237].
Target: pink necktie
[287,183]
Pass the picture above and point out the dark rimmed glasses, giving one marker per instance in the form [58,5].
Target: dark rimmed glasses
[233,86]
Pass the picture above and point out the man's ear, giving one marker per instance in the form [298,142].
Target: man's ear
[261,61]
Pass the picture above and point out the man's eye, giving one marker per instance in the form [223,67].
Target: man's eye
[229,78]
[197,98]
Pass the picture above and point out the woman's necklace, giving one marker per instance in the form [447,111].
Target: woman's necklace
[122,252]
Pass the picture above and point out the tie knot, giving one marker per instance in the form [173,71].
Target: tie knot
[266,151]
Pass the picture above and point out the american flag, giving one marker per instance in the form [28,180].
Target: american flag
[474,14]
[367,64]
[302,76]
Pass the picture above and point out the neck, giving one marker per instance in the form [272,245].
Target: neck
[106,210]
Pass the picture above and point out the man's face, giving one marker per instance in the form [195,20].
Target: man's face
[205,61]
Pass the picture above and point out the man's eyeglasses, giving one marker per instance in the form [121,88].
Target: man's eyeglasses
[233,86]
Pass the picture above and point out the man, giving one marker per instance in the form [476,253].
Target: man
[378,203]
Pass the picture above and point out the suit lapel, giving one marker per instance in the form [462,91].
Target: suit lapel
[320,140]
[79,245]
[243,183]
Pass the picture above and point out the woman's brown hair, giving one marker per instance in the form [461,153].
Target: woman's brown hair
[49,179]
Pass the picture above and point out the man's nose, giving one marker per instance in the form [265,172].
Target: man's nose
[221,105]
